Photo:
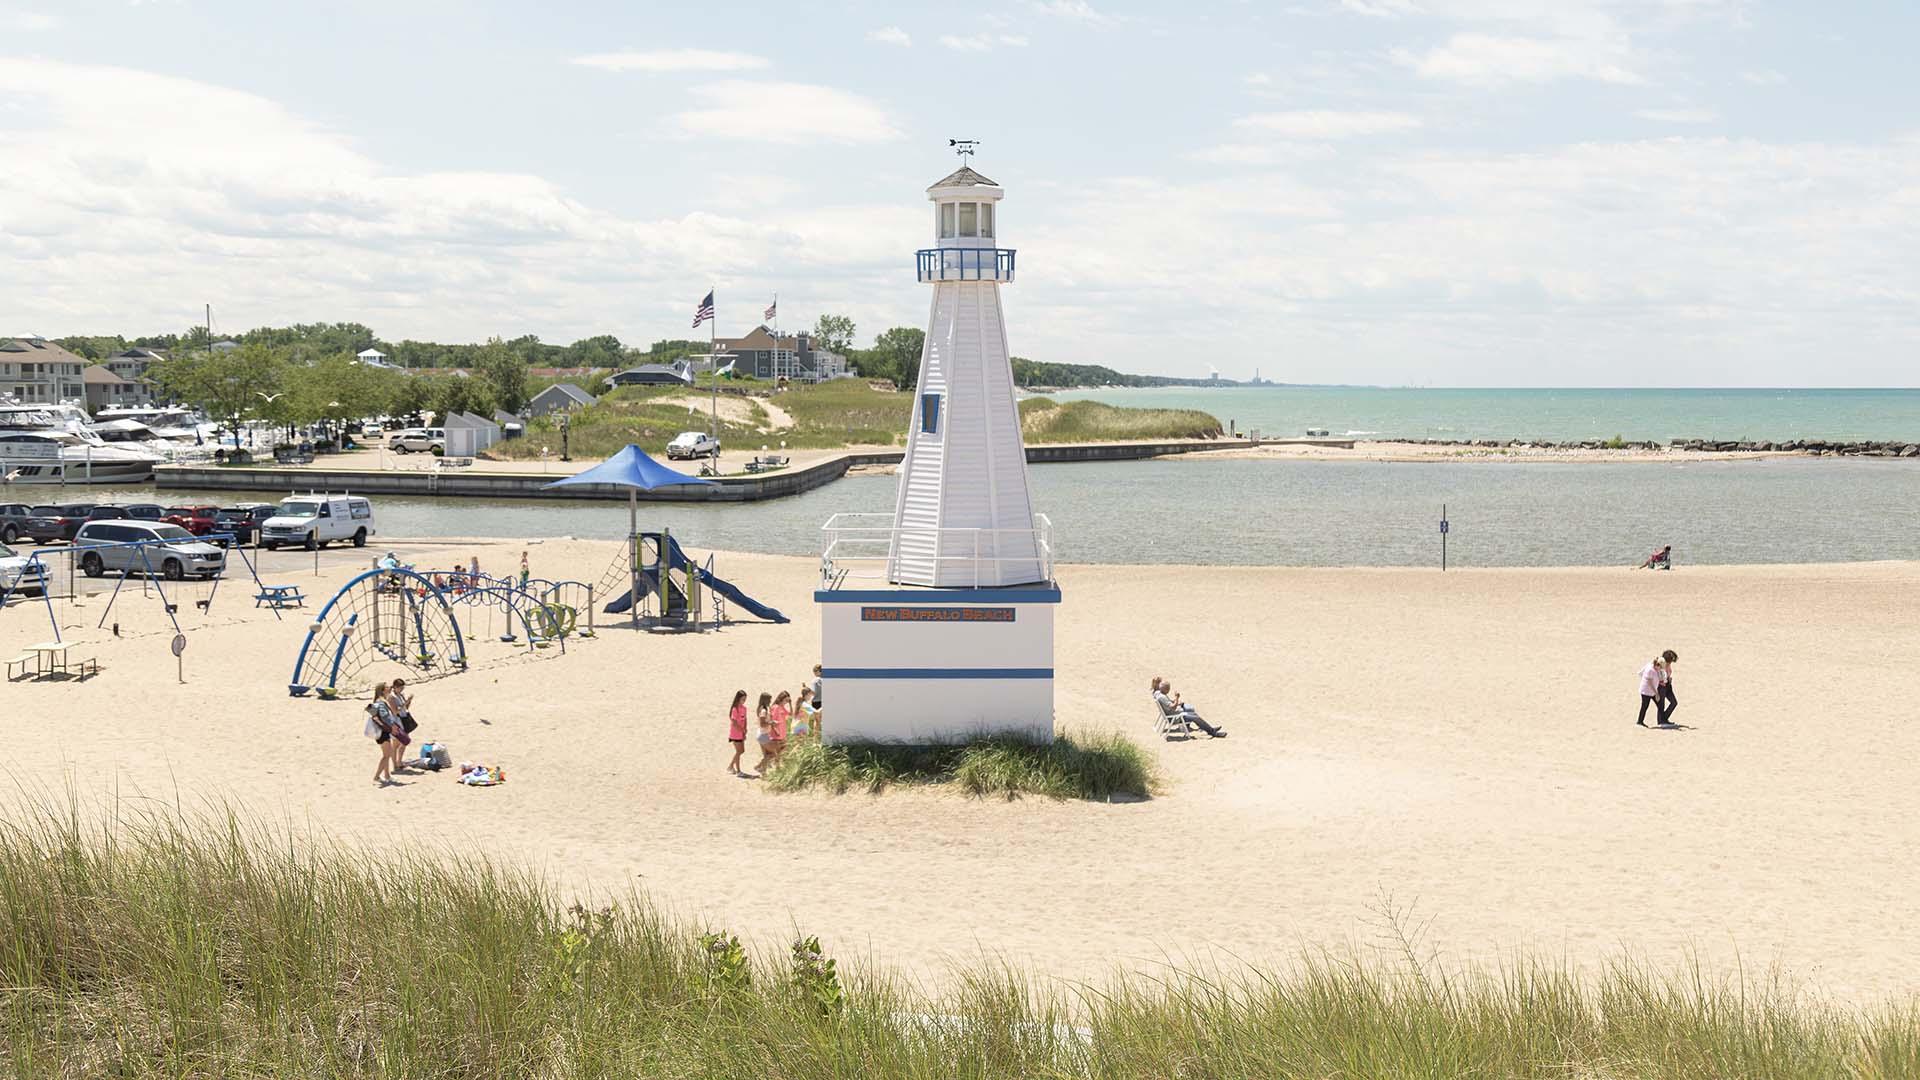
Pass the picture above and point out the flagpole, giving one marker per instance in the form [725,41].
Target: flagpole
[713,376]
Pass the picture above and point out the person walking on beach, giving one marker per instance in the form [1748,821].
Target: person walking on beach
[1651,678]
[803,714]
[400,706]
[1668,703]
[765,738]
[777,718]
[737,730]
[817,705]
[525,574]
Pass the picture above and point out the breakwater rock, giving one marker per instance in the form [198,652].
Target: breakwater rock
[1815,447]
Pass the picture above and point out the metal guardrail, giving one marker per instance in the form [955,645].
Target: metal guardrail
[872,552]
[965,264]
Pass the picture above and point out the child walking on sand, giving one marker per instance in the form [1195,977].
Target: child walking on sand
[737,730]
[766,731]
[1651,678]
[777,723]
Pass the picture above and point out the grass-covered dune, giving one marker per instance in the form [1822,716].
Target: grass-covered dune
[842,412]
[1072,766]
[166,947]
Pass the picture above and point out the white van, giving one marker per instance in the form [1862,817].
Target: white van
[314,521]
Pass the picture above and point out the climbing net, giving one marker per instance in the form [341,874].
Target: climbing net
[383,621]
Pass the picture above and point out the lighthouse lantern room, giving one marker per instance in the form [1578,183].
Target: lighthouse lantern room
[937,620]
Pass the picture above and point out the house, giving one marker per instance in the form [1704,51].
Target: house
[106,387]
[560,397]
[374,358]
[653,375]
[35,371]
[766,355]
[468,434]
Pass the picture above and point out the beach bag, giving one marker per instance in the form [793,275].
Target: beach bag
[373,727]
[435,756]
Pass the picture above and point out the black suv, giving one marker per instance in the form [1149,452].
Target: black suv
[13,521]
[52,522]
[243,521]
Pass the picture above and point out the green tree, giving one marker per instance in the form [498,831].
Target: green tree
[833,332]
[895,355]
[230,385]
[505,372]
[455,394]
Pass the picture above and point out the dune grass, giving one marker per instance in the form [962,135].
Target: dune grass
[157,945]
[1098,766]
[1044,420]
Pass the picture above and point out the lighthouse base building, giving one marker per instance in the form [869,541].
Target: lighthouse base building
[937,620]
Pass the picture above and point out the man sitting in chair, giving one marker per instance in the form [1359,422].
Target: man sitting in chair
[1171,704]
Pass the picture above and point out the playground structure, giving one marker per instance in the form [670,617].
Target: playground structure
[150,578]
[547,611]
[385,616]
[656,569]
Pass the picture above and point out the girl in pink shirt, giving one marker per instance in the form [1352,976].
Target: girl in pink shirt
[737,730]
[782,709]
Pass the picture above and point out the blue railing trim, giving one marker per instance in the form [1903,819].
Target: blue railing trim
[964,264]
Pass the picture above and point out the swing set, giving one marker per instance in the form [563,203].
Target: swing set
[146,571]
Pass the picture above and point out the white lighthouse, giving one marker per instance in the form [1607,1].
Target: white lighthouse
[937,620]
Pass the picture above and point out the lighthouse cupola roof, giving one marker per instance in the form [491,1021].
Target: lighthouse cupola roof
[963,214]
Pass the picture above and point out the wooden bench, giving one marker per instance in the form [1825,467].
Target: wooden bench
[19,663]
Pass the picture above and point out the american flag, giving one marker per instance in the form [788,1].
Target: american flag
[771,308]
[704,311]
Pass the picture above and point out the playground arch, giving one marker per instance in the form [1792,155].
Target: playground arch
[391,616]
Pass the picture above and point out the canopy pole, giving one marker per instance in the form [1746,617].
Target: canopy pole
[633,556]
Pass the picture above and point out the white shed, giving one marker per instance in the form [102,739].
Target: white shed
[468,434]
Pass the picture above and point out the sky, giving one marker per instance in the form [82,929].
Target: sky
[1395,192]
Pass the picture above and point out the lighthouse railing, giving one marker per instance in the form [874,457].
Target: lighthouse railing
[965,264]
[870,547]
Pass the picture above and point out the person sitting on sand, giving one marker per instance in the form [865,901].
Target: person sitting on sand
[1659,560]
[1650,678]
[1668,703]
[1171,704]
[737,730]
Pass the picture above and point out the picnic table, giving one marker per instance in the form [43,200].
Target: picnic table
[279,596]
[49,657]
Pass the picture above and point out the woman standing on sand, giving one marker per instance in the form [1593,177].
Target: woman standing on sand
[1651,678]
[777,719]
[737,730]
[766,732]
[380,725]
[400,705]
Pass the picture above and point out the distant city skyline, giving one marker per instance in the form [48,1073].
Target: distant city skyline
[1464,193]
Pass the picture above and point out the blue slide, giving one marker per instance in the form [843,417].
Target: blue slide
[676,598]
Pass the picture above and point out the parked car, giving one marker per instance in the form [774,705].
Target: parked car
[244,520]
[175,552]
[52,522]
[430,440]
[13,521]
[312,521]
[693,444]
[146,511]
[20,574]
[198,520]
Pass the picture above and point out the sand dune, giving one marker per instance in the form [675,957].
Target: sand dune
[1457,748]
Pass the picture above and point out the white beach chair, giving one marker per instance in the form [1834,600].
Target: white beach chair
[1167,725]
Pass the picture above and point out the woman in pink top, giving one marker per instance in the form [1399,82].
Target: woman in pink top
[737,730]
[782,709]
[1651,677]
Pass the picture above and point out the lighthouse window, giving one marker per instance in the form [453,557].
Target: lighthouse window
[986,219]
[946,220]
[929,413]
[969,221]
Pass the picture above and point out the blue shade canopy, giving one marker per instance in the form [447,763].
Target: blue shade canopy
[631,468]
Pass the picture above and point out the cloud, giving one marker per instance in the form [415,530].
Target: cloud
[1258,78]
[27,21]
[982,42]
[1478,59]
[1380,9]
[1679,116]
[1328,124]
[890,35]
[784,113]
[1763,77]
[672,60]
[1076,10]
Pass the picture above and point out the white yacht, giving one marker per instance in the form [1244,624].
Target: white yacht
[173,423]
[51,444]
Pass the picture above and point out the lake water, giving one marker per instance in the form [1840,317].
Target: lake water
[1309,513]
[1560,415]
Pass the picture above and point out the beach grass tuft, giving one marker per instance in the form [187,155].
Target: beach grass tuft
[153,944]
[1044,420]
[1102,765]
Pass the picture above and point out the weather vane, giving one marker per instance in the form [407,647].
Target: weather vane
[963,148]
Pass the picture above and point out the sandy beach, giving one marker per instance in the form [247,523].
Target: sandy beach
[1457,748]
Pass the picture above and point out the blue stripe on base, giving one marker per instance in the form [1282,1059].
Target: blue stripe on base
[1013,594]
[936,673]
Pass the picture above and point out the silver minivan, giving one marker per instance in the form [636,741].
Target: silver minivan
[169,549]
